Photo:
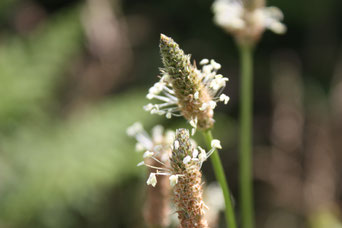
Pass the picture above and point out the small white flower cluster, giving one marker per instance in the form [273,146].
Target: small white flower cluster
[199,155]
[230,14]
[212,82]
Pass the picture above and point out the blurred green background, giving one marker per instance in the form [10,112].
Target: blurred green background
[74,75]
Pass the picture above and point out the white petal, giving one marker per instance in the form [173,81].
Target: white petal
[195,153]
[176,144]
[187,159]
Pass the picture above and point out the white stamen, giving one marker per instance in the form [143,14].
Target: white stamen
[148,107]
[204,61]
[148,154]
[195,153]
[212,104]
[152,180]
[173,180]
[224,98]
[207,69]
[203,155]
[141,163]
[203,107]
[168,115]
[216,144]
[150,96]
[193,131]
[215,65]
[193,122]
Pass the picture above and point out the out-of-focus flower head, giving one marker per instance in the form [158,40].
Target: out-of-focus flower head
[246,21]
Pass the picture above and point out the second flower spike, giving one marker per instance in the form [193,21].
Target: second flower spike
[185,90]
[188,189]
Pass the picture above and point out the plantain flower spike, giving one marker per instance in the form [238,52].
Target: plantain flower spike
[185,90]
[188,190]
[246,20]
[183,169]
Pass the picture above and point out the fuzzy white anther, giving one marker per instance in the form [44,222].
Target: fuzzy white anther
[203,107]
[202,155]
[148,154]
[187,159]
[204,61]
[212,104]
[152,180]
[216,144]
[173,180]
[224,98]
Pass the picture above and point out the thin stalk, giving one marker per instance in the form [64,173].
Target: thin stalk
[221,178]
[246,96]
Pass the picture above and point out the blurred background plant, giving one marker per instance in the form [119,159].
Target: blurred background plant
[73,77]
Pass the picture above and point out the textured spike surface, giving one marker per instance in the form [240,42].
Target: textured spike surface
[188,191]
[186,81]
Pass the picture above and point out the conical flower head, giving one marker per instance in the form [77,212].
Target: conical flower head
[186,90]
[185,80]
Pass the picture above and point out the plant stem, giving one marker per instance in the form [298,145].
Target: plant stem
[221,178]
[246,96]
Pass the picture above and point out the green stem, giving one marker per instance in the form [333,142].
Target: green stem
[221,178]
[246,93]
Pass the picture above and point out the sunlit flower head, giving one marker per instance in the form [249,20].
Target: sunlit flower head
[247,23]
[185,90]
